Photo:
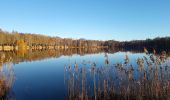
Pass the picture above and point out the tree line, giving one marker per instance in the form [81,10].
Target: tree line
[158,44]
[15,38]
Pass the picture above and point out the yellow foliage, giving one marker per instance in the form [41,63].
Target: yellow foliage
[21,44]
[22,47]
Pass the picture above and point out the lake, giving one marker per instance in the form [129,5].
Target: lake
[85,75]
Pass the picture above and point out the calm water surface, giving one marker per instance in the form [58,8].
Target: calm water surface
[56,78]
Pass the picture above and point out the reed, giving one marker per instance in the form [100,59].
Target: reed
[147,79]
[6,77]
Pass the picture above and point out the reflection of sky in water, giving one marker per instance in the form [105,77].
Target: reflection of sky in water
[44,79]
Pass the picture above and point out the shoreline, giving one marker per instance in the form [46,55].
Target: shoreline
[38,47]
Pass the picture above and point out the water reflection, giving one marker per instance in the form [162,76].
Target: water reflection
[146,78]
[32,55]
[88,74]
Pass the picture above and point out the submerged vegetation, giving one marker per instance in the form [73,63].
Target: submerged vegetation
[147,78]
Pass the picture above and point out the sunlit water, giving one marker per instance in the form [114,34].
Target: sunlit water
[91,76]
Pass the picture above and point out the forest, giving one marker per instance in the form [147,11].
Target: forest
[159,44]
[38,41]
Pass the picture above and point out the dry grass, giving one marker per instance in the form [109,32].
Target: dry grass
[148,79]
[6,78]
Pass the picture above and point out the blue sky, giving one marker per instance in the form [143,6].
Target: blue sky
[90,19]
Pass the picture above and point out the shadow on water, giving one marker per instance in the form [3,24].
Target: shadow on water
[146,79]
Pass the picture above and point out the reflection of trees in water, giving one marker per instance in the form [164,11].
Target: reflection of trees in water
[32,55]
[19,56]
[6,79]
[147,79]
